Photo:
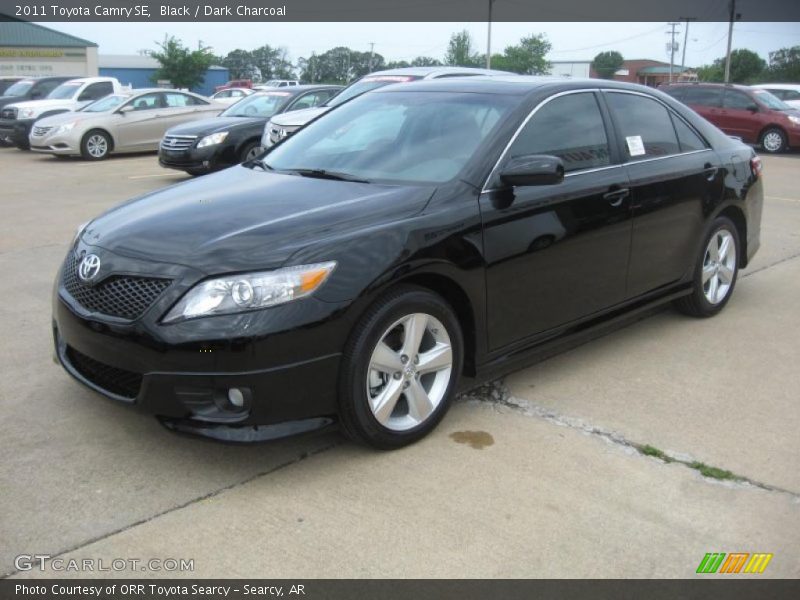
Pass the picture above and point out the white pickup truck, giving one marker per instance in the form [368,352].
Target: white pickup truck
[16,120]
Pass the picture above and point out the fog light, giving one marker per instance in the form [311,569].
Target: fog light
[236,397]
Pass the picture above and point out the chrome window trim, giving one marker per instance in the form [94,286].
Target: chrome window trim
[484,189]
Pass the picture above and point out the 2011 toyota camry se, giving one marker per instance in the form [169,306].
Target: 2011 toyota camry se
[418,235]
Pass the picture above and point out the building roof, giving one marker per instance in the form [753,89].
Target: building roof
[22,33]
[134,61]
[661,70]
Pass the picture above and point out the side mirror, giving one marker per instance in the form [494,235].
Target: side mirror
[534,169]
[126,109]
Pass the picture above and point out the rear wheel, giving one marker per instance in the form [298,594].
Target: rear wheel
[400,369]
[774,141]
[96,145]
[715,273]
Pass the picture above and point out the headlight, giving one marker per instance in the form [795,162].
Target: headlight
[79,232]
[213,139]
[794,119]
[65,127]
[27,113]
[238,293]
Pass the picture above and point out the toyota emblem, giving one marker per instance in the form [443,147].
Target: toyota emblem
[89,267]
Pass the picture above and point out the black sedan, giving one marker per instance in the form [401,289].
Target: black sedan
[235,135]
[418,236]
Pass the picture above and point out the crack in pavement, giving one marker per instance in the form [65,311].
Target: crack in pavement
[496,393]
[301,457]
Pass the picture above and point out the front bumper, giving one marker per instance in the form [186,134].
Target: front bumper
[16,130]
[207,159]
[284,361]
[54,144]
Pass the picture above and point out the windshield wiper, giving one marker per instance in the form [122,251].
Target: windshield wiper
[323,174]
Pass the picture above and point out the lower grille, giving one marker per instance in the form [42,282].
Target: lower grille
[121,296]
[40,131]
[178,142]
[117,381]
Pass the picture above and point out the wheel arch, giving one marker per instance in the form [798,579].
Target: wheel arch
[736,214]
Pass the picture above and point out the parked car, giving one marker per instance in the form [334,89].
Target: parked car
[131,121]
[358,272]
[788,92]
[235,83]
[280,83]
[234,136]
[283,126]
[17,119]
[755,116]
[230,95]
[6,81]
[27,88]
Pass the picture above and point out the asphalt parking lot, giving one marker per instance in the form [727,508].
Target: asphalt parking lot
[548,473]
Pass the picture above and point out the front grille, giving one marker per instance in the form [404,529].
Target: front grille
[121,296]
[117,381]
[39,131]
[177,142]
[8,113]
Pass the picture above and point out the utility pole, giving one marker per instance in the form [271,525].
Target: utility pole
[489,38]
[730,40]
[685,41]
[672,49]
[371,54]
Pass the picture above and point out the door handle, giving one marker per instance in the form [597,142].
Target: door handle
[710,171]
[615,197]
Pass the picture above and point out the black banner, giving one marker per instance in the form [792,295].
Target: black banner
[398,10]
[733,588]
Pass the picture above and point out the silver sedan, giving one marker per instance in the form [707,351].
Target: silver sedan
[127,122]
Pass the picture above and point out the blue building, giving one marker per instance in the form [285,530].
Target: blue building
[137,71]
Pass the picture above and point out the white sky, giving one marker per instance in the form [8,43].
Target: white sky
[404,41]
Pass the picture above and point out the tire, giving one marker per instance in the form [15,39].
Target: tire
[773,141]
[95,145]
[246,151]
[709,297]
[414,401]
[196,172]
[23,145]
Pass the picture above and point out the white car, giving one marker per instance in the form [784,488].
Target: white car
[16,120]
[231,95]
[273,83]
[788,92]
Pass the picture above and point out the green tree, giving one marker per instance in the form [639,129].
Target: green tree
[784,65]
[339,65]
[460,52]
[746,67]
[526,58]
[182,67]
[606,64]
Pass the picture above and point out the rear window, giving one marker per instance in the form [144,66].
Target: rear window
[675,92]
[703,96]
[645,125]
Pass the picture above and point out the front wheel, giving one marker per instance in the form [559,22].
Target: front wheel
[715,273]
[400,369]
[96,145]
[774,141]
[250,151]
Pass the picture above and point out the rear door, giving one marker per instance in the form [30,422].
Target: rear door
[557,253]
[706,101]
[673,176]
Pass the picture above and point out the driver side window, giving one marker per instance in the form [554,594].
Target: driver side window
[569,127]
[146,102]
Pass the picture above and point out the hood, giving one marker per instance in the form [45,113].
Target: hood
[44,104]
[244,219]
[6,100]
[208,126]
[297,118]
[66,117]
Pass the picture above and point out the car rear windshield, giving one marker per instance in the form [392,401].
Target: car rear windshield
[19,89]
[261,104]
[400,137]
[365,85]
[65,90]
[106,104]
[770,100]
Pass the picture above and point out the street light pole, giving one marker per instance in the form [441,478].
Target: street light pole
[489,38]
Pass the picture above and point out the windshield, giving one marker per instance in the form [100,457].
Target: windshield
[65,90]
[366,84]
[19,89]
[409,137]
[106,104]
[262,104]
[771,101]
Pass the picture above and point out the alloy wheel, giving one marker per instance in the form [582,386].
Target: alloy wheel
[409,372]
[252,153]
[719,266]
[772,141]
[97,146]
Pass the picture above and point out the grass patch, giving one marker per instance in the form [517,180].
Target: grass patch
[712,472]
[648,450]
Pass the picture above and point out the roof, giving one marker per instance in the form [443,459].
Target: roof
[135,61]
[660,70]
[22,33]
[293,90]
[428,71]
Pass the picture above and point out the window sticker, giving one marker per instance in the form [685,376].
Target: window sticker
[635,145]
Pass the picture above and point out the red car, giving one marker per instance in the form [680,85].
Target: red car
[755,116]
[239,83]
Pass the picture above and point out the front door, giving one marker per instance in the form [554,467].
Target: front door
[556,253]
[136,128]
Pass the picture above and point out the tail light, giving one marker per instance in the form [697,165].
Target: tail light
[756,167]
